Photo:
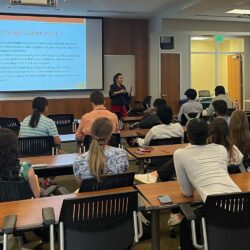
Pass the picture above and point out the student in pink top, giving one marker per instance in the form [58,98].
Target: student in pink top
[99,110]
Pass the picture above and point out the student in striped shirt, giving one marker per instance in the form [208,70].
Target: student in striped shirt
[38,124]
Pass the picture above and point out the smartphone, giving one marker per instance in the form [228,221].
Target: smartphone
[164,199]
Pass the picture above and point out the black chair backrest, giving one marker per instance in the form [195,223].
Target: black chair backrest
[184,119]
[230,111]
[15,190]
[114,141]
[246,162]
[107,182]
[228,221]
[165,141]
[33,146]
[10,123]
[100,222]
[64,123]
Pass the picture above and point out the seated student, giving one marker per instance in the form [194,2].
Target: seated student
[99,110]
[11,169]
[220,94]
[219,134]
[239,131]
[192,106]
[100,159]
[201,166]
[151,118]
[166,129]
[38,124]
[220,109]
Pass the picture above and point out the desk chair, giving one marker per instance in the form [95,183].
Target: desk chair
[10,123]
[99,222]
[114,141]
[140,106]
[225,224]
[20,190]
[107,182]
[189,116]
[36,146]
[246,163]
[64,123]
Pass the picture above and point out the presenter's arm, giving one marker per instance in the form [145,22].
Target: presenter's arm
[112,91]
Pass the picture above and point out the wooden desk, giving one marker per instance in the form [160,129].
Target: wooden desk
[157,152]
[150,192]
[132,118]
[29,212]
[134,133]
[56,164]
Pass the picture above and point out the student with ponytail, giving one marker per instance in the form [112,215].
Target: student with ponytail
[38,124]
[101,159]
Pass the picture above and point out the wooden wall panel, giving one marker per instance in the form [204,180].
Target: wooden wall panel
[22,108]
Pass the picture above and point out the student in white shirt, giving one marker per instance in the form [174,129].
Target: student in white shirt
[203,167]
[219,134]
[220,94]
[166,129]
[191,106]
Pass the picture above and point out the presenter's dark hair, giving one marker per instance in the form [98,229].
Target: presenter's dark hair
[165,114]
[115,77]
[9,155]
[190,94]
[197,131]
[38,105]
[219,90]
[97,98]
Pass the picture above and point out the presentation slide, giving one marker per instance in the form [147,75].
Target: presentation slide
[39,53]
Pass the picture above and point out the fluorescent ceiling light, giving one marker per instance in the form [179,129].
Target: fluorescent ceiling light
[239,11]
[199,38]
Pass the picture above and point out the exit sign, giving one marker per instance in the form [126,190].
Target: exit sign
[219,38]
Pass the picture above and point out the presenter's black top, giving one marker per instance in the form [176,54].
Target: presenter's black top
[120,99]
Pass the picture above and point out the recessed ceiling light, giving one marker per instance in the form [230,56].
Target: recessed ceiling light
[239,11]
[199,38]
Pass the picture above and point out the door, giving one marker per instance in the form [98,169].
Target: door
[170,80]
[234,78]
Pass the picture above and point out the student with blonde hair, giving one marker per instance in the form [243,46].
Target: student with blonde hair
[239,131]
[101,159]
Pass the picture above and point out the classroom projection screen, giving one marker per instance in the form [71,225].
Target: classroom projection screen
[45,53]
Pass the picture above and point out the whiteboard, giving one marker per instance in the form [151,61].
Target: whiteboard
[124,64]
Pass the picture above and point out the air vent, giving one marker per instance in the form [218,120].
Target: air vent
[48,3]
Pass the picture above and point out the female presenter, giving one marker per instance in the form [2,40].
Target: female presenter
[119,96]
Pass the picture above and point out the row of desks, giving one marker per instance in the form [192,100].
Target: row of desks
[57,165]
[29,212]
[124,134]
